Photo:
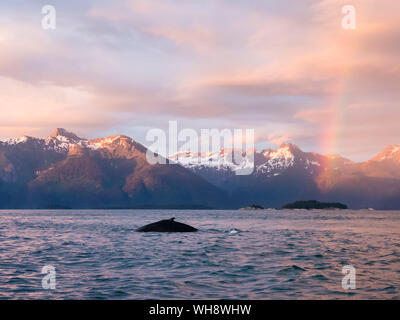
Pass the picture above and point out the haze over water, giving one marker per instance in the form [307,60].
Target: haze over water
[236,254]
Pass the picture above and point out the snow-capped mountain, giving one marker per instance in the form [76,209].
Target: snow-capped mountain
[63,141]
[65,136]
[59,141]
[288,173]
[64,170]
[390,153]
[266,163]
[285,157]
[233,161]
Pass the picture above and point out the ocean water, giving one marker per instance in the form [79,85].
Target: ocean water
[236,254]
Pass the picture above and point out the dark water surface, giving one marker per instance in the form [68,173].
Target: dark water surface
[236,254]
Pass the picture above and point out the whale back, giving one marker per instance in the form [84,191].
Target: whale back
[168,225]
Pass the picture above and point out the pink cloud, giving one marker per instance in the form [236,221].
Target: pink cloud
[279,69]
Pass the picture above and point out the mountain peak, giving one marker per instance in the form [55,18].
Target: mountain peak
[128,147]
[391,152]
[118,138]
[292,147]
[64,133]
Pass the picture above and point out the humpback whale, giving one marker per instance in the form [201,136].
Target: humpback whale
[168,225]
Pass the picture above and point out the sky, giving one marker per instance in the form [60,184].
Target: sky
[286,69]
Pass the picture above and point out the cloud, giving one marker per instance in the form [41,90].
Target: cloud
[284,68]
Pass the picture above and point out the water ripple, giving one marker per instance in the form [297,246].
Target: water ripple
[251,255]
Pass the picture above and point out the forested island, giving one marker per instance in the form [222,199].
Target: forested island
[314,204]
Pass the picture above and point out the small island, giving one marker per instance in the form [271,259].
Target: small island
[253,207]
[314,204]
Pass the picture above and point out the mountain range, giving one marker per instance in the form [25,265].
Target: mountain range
[66,171]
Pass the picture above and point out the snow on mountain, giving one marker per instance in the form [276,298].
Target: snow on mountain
[277,160]
[391,153]
[14,141]
[65,136]
[288,156]
[118,146]
[67,143]
[119,139]
[224,160]
[60,141]
[269,162]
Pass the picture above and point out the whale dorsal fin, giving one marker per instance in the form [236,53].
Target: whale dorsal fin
[172,219]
